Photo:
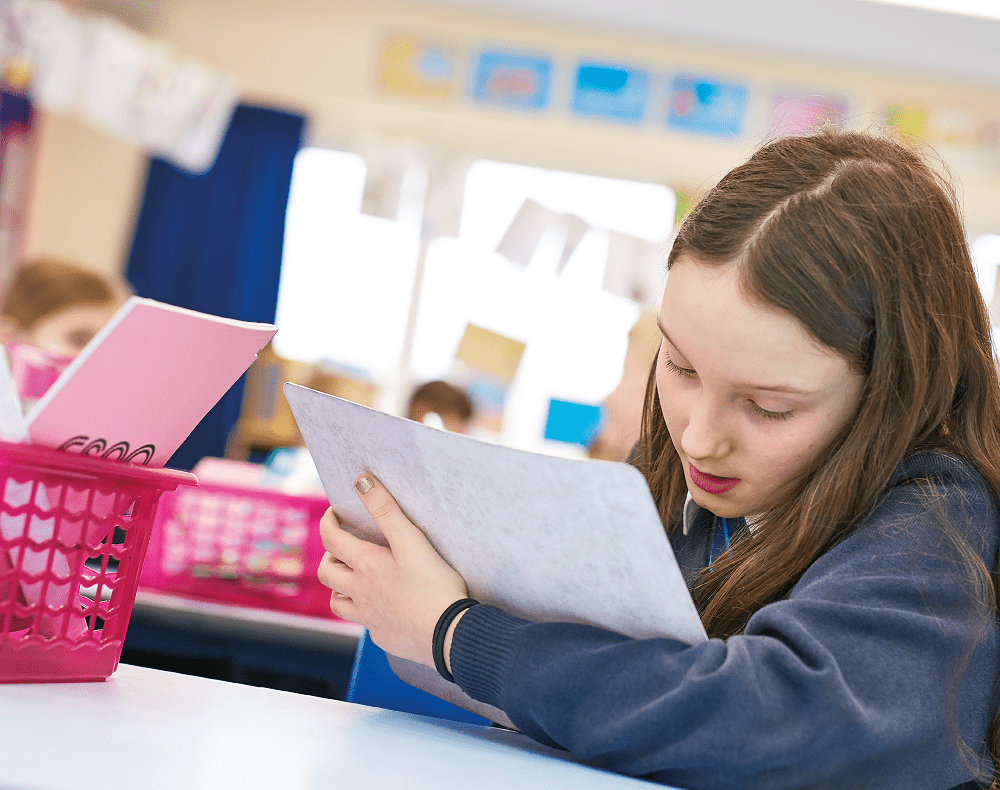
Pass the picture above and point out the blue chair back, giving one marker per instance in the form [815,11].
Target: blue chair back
[374,683]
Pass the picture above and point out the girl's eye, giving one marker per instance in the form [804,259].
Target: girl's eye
[675,368]
[768,415]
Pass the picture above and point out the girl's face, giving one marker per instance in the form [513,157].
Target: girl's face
[750,398]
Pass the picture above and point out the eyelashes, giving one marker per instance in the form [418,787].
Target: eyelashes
[675,368]
[755,408]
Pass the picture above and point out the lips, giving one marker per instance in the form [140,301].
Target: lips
[711,483]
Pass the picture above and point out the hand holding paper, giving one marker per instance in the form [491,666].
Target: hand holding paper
[398,592]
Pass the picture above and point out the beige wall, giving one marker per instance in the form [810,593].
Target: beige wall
[317,56]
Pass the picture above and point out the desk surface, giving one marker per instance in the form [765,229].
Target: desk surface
[243,622]
[151,729]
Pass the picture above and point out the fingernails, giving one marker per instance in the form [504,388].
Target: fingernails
[364,485]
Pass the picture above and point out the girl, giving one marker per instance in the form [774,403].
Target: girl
[50,311]
[822,437]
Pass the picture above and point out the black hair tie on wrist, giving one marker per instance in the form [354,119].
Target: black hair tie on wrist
[441,630]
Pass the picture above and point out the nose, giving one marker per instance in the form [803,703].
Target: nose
[706,434]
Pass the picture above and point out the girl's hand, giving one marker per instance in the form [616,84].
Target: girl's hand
[398,592]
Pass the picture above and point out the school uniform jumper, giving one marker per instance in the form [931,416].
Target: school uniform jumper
[860,678]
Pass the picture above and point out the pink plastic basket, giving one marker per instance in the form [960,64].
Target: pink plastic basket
[249,546]
[73,533]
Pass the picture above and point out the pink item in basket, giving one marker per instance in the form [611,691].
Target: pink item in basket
[244,545]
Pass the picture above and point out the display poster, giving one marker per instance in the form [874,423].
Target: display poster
[800,112]
[706,106]
[608,91]
[418,67]
[513,80]
[908,122]
[484,366]
[573,423]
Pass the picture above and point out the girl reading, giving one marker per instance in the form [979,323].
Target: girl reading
[822,438]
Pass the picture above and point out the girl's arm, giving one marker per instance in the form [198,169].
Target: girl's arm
[846,683]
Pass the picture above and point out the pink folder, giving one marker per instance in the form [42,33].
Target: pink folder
[144,382]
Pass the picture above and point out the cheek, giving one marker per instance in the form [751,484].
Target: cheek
[670,402]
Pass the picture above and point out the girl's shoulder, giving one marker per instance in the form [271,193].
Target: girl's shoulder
[931,492]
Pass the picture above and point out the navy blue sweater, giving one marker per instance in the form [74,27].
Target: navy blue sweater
[861,678]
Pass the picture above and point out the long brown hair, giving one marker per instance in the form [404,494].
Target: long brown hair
[860,239]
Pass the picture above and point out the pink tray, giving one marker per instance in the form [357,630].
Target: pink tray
[244,545]
[73,533]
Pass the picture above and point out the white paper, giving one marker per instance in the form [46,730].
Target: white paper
[525,231]
[546,538]
[574,229]
[635,267]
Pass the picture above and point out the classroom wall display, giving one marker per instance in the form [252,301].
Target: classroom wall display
[484,366]
[532,221]
[707,106]
[573,423]
[616,92]
[131,86]
[419,67]
[965,137]
[959,128]
[798,111]
[513,80]
[907,122]
[632,267]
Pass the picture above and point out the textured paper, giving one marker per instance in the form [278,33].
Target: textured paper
[145,381]
[547,538]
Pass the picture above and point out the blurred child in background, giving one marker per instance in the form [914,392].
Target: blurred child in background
[622,410]
[50,311]
[450,403]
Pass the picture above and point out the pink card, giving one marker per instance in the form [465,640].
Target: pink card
[144,382]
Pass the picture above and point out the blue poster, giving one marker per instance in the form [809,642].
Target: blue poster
[699,104]
[576,423]
[512,80]
[614,92]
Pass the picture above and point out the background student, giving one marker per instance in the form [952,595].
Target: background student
[51,310]
[822,438]
[448,401]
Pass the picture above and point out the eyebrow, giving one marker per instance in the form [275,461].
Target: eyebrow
[788,389]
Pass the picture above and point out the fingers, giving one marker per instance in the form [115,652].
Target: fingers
[339,543]
[383,509]
[336,575]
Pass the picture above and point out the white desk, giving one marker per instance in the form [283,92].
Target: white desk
[241,622]
[147,729]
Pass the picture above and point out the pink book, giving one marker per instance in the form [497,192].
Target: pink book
[144,382]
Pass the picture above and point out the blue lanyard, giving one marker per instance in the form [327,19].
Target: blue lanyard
[720,542]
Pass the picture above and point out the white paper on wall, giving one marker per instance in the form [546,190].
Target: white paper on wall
[574,229]
[386,170]
[520,241]
[635,267]
[124,83]
[445,195]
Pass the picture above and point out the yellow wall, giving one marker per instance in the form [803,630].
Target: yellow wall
[317,56]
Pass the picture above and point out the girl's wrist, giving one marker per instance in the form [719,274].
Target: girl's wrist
[449,635]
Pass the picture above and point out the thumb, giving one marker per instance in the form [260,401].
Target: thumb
[383,508]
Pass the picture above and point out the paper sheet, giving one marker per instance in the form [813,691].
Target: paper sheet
[547,538]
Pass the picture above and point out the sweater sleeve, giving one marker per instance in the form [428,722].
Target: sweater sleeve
[862,677]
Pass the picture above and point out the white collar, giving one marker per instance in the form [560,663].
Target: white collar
[692,509]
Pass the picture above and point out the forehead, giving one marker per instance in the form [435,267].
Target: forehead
[712,322]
